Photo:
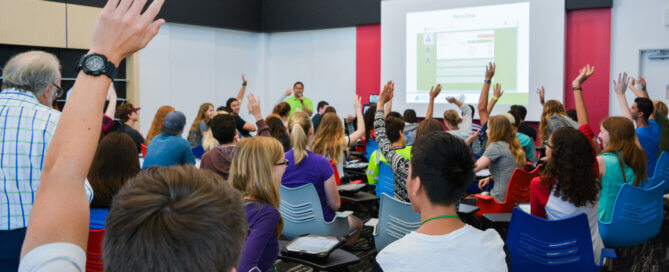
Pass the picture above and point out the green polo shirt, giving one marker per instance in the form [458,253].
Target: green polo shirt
[377,158]
[295,104]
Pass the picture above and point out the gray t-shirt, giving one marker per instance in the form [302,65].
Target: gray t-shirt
[502,167]
[195,139]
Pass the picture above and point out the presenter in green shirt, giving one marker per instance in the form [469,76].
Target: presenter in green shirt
[298,101]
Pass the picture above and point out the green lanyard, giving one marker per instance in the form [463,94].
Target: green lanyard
[437,217]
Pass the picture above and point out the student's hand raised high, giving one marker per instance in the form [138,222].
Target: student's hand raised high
[497,90]
[586,72]
[620,86]
[123,30]
[642,83]
[435,90]
[489,71]
[254,107]
[451,99]
[386,94]
[542,95]
[357,103]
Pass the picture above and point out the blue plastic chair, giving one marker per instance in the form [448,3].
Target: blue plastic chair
[396,219]
[386,184]
[370,147]
[198,151]
[537,244]
[302,213]
[636,218]
[661,173]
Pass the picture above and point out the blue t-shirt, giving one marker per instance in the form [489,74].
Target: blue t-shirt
[649,137]
[314,169]
[168,150]
[98,217]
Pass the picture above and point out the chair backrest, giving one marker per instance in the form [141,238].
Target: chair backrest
[198,151]
[143,150]
[94,250]
[396,219]
[661,173]
[370,147]
[537,244]
[636,217]
[519,187]
[386,184]
[336,172]
[302,213]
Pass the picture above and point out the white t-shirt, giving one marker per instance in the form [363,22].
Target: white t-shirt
[54,257]
[556,209]
[465,249]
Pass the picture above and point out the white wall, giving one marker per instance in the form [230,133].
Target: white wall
[185,66]
[636,25]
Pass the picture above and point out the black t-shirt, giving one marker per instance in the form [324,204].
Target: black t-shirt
[240,126]
[134,134]
[528,130]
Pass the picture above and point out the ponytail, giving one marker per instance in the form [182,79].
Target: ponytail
[299,125]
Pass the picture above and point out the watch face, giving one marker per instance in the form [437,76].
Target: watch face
[94,63]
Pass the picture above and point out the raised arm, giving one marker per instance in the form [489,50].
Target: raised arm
[497,93]
[242,91]
[581,110]
[542,95]
[620,87]
[434,92]
[111,96]
[642,82]
[484,115]
[360,132]
[283,96]
[60,212]
[254,108]
[396,161]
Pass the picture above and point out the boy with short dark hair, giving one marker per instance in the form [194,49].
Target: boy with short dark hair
[394,129]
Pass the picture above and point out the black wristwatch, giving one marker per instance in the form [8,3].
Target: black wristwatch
[96,64]
[487,81]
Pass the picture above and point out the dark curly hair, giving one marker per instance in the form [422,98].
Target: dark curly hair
[571,167]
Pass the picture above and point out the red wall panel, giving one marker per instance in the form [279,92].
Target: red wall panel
[368,61]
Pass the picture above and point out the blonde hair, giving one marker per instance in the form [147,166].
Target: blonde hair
[299,125]
[329,140]
[551,108]
[31,71]
[251,171]
[660,106]
[452,117]
[501,130]
[158,122]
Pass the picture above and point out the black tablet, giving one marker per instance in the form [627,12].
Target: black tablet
[312,246]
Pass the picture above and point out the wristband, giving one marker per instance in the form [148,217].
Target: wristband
[244,83]
[495,98]
[488,81]
[577,88]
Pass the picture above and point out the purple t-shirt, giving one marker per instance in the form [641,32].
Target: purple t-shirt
[262,247]
[314,169]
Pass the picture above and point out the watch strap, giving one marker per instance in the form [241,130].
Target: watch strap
[487,81]
[110,70]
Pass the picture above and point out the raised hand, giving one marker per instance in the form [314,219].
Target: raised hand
[451,99]
[632,82]
[357,103]
[123,30]
[472,136]
[620,86]
[489,71]
[243,78]
[254,106]
[642,82]
[386,94]
[586,72]
[435,90]
[542,95]
[288,92]
[497,90]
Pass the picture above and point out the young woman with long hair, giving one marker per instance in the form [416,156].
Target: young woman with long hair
[552,117]
[278,131]
[256,170]
[200,126]
[308,167]
[158,122]
[503,154]
[568,182]
[621,161]
[330,140]
[114,163]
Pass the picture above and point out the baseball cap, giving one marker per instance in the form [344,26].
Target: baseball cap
[174,122]
[125,109]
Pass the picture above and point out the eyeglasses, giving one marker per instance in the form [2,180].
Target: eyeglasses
[59,91]
[284,162]
[548,145]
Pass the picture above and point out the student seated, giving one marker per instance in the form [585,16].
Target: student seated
[224,130]
[277,129]
[568,186]
[256,171]
[166,219]
[395,131]
[114,163]
[169,148]
[458,126]
[410,126]
[127,114]
[525,141]
[440,171]
[306,167]
[621,161]
[199,127]
[503,154]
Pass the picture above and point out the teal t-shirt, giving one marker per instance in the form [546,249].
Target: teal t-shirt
[167,150]
[611,183]
[296,104]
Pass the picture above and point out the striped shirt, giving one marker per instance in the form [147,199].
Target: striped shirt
[26,129]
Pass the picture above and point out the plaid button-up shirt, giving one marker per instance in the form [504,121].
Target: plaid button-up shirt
[26,129]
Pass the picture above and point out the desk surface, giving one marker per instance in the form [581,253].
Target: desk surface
[360,197]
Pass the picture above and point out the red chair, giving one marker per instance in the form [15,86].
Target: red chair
[94,261]
[143,150]
[517,191]
[336,172]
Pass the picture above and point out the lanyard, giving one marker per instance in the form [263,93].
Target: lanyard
[437,217]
